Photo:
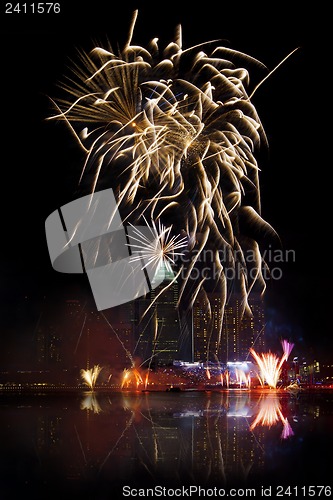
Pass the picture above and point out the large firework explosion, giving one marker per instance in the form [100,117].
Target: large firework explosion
[175,134]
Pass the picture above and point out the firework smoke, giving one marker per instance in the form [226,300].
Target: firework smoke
[174,133]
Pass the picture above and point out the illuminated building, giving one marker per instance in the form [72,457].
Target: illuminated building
[211,442]
[308,372]
[142,324]
[238,334]
[165,321]
[157,324]
[326,370]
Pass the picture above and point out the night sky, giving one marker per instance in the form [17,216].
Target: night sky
[41,163]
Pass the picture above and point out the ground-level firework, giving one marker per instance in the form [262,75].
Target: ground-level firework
[233,375]
[270,365]
[90,375]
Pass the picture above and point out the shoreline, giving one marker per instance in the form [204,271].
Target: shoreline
[114,390]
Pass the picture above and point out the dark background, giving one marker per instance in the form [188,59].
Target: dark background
[41,163]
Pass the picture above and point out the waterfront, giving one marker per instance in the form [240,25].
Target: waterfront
[92,444]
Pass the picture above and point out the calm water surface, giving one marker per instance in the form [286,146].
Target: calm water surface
[92,445]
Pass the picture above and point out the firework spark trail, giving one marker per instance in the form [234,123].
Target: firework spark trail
[80,334]
[148,455]
[174,280]
[150,318]
[128,425]
[174,133]
[268,364]
[255,340]
[128,354]
[81,446]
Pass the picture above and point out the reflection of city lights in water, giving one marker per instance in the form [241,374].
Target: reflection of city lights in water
[90,376]
[270,414]
[270,365]
[147,425]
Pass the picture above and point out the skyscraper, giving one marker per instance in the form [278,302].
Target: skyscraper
[158,328]
[207,315]
[239,332]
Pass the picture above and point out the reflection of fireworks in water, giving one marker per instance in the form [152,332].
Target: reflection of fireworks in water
[146,423]
[175,135]
[270,414]
[90,402]
[270,365]
[90,376]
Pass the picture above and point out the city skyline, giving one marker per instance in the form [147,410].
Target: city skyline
[207,124]
[73,336]
[295,305]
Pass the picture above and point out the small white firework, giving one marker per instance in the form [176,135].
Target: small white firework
[159,248]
